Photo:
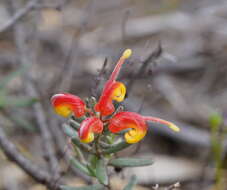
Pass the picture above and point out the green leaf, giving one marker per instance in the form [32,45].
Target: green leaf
[92,171]
[132,182]
[116,147]
[101,172]
[89,187]
[110,137]
[79,119]
[79,166]
[69,131]
[74,124]
[93,160]
[130,162]
[84,147]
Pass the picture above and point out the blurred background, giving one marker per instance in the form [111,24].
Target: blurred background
[178,72]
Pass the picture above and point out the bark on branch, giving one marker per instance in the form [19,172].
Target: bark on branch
[36,172]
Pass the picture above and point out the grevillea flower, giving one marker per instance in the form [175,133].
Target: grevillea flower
[113,90]
[88,127]
[137,125]
[66,104]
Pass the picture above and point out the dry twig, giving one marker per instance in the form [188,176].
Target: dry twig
[37,173]
[18,15]
[25,59]
[151,58]
[97,80]
[32,4]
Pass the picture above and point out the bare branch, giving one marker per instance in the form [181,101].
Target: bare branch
[97,79]
[26,60]
[153,56]
[29,167]
[57,6]
[185,111]
[32,4]
[63,82]
[47,140]
[18,15]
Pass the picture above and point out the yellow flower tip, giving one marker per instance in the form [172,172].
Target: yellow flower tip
[134,136]
[119,92]
[174,127]
[88,139]
[64,111]
[127,53]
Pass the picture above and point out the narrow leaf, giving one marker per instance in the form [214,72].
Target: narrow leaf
[79,166]
[89,187]
[116,147]
[132,182]
[84,147]
[92,171]
[93,160]
[130,162]
[69,131]
[101,172]
[74,124]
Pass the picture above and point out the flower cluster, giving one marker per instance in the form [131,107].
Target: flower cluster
[103,115]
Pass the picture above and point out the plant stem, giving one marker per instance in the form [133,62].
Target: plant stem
[80,155]
[97,148]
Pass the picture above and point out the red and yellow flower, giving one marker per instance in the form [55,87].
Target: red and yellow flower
[66,104]
[135,124]
[88,127]
[113,90]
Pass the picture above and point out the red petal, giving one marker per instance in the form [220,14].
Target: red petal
[129,120]
[105,105]
[90,125]
[73,103]
[124,120]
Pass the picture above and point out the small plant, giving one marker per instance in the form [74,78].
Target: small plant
[96,129]
[218,135]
